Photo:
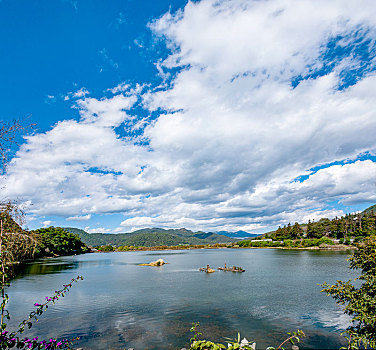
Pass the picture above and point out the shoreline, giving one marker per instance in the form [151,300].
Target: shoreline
[157,248]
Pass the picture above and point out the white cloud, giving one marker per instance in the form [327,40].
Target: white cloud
[233,133]
[80,93]
[47,223]
[79,218]
[97,230]
[119,88]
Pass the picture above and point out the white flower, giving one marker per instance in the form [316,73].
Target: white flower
[244,342]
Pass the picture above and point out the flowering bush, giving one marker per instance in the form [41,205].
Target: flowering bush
[12,339]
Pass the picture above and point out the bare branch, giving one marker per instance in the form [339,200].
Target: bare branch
[8,138]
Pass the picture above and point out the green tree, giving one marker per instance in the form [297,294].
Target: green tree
[55,240]
[279,234]
[310,229]
[296,231]
[359,301]
[341,228]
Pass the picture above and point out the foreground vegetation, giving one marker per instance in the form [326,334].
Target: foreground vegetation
[237,344]
[19,245]
[358,297]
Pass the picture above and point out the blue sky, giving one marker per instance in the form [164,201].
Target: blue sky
[230,115]
[51,48]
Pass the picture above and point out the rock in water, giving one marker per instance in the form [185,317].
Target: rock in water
[159,262]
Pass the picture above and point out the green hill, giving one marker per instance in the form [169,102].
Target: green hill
[370,209]
[150,237]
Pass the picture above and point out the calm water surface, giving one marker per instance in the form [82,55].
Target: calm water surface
[120,304]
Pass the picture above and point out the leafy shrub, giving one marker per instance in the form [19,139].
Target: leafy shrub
[288,243]
[325,240]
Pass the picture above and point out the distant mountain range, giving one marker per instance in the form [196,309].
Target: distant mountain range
[238,234]
[150,237]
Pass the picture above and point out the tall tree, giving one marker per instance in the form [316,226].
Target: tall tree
[296,231]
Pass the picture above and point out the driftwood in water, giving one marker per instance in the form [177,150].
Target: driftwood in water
[232,269]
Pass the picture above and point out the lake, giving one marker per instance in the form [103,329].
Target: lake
[120,304]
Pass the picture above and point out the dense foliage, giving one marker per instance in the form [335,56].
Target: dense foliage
[359,300]
[8,223]
[19,244]
[57,241]
[349,226]
[16,244]
[150,237]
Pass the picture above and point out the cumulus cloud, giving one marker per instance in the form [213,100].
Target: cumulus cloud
[47,223]
[256,102]
[97,230]
[79,218]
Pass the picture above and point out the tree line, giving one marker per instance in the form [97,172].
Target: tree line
[355,226]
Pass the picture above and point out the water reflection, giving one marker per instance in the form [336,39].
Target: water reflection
[55,265]
[120,304]
[45,267]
